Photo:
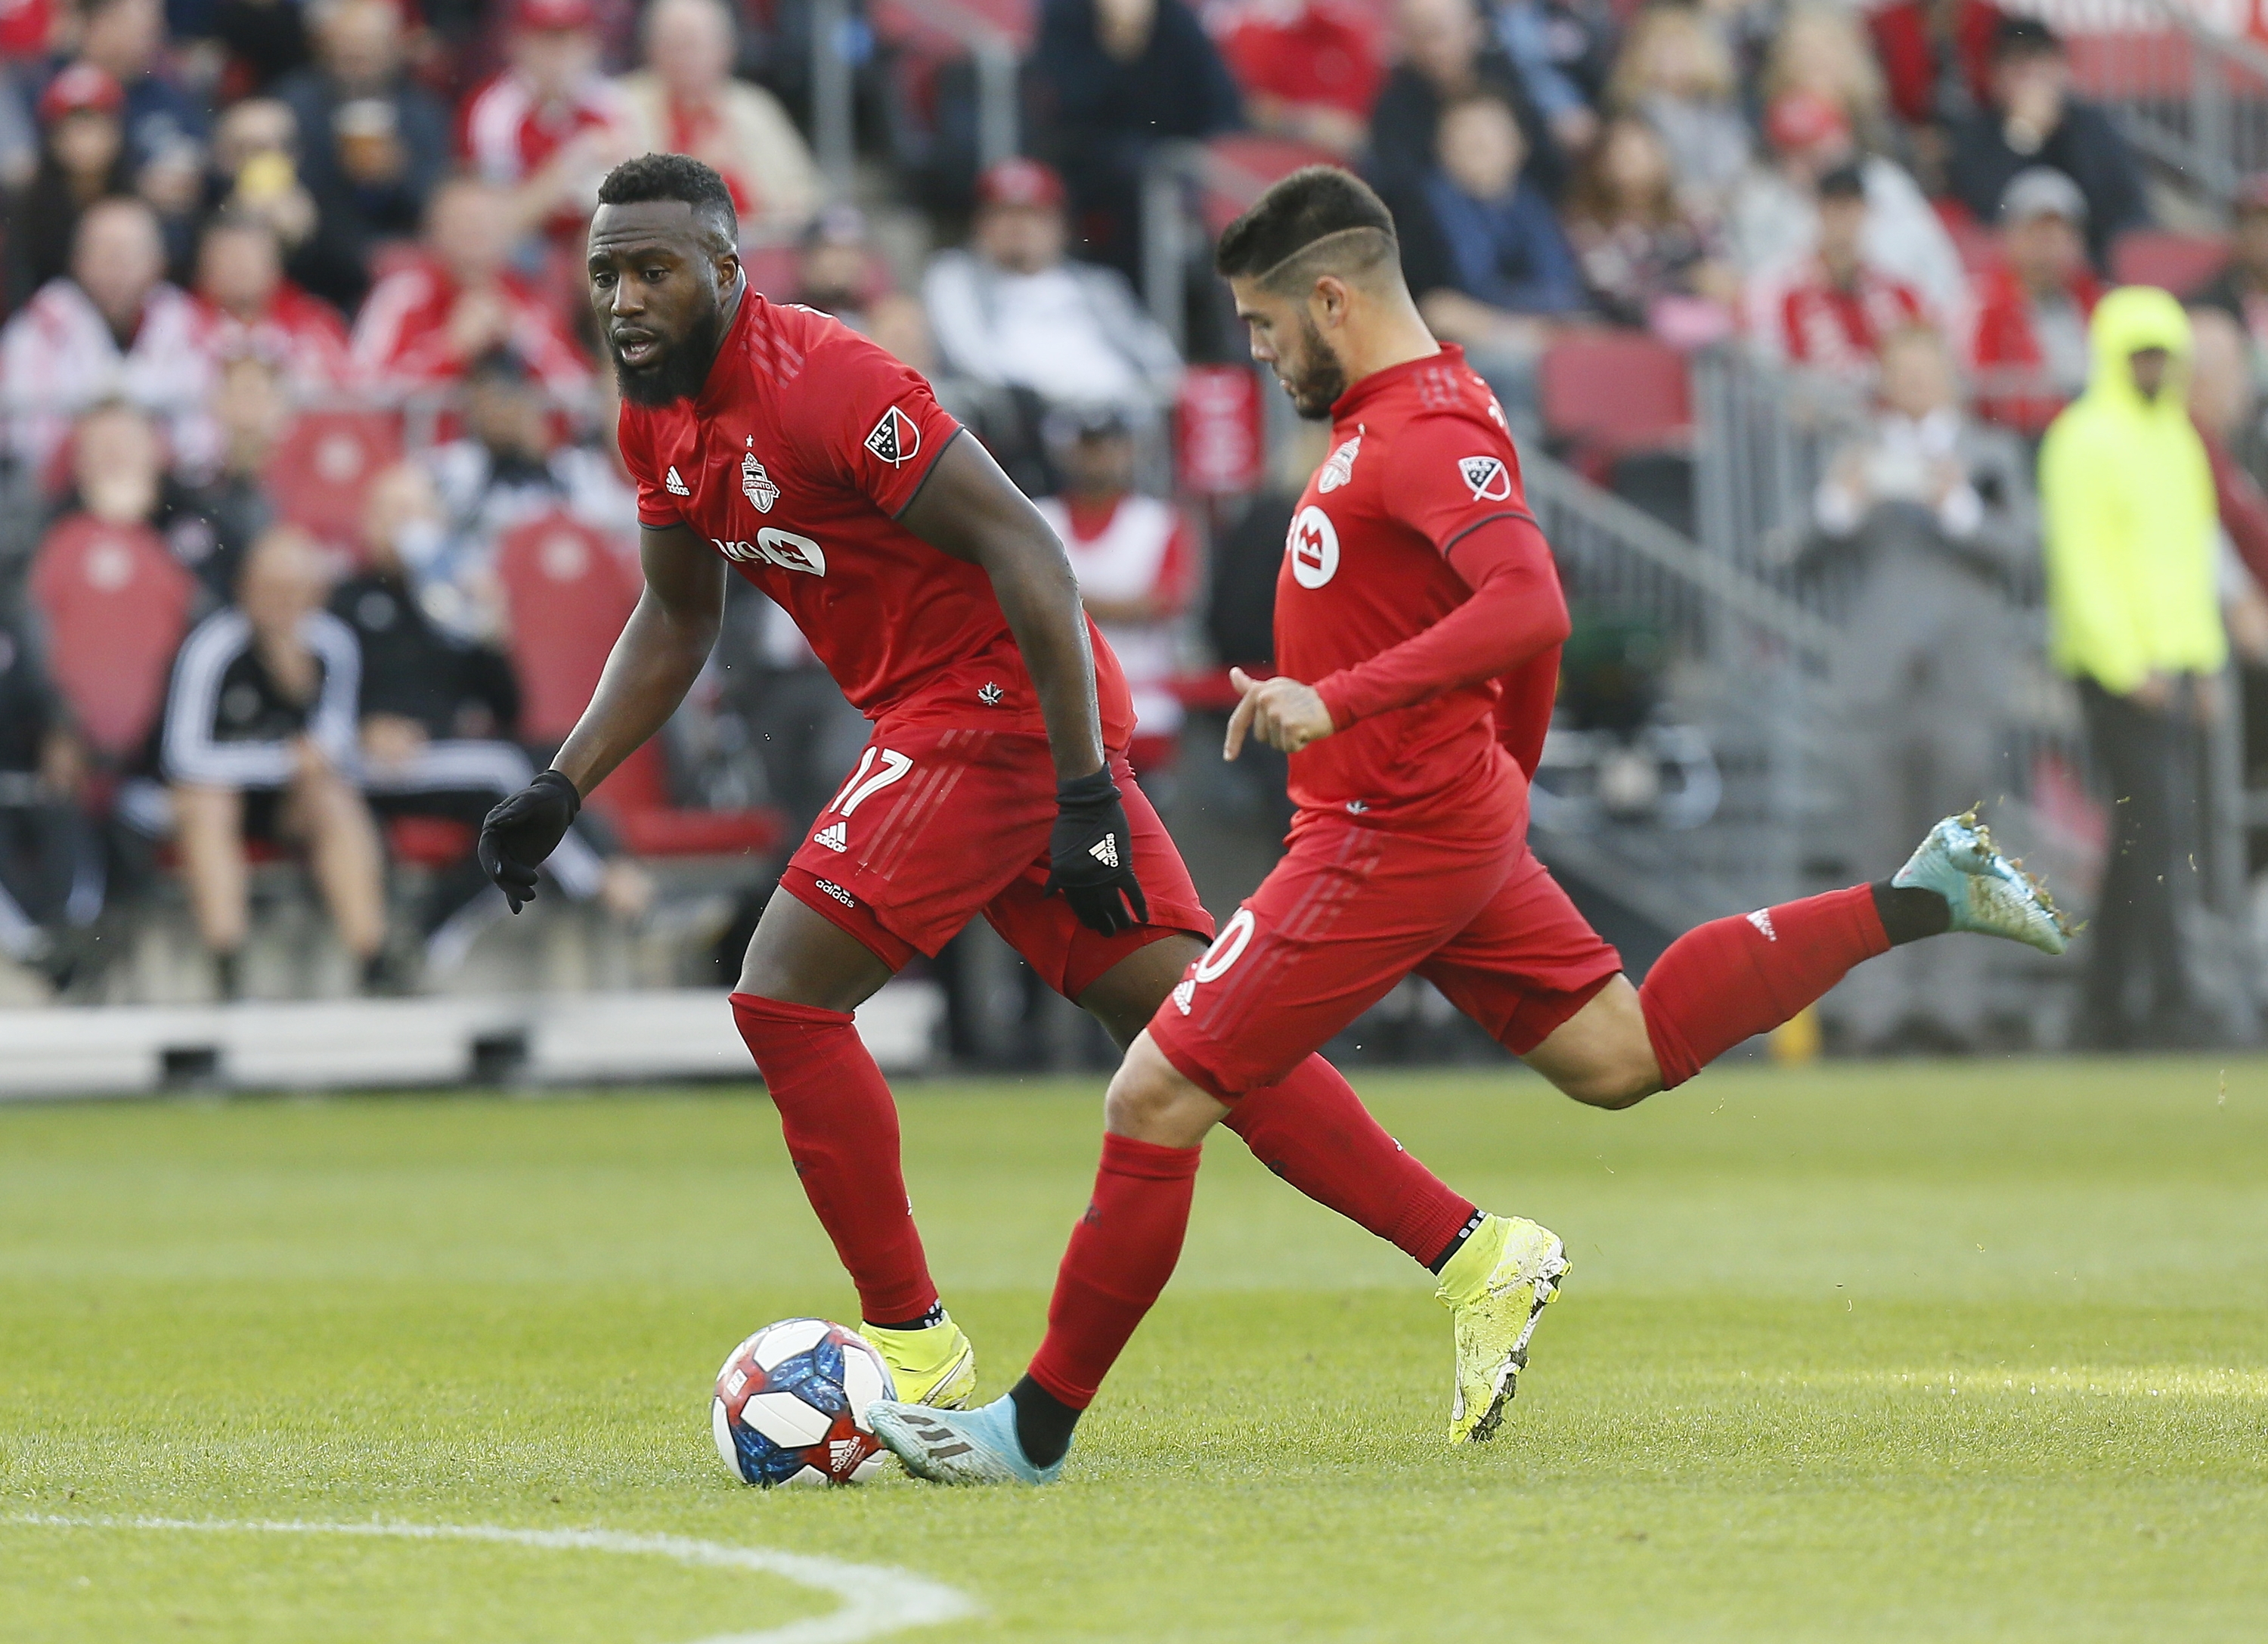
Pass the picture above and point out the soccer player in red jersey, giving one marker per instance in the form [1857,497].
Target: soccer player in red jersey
[778,442]
[1418,603]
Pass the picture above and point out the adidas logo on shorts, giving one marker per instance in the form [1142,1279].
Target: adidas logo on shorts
[835,837]
[1184,994]
[838,892]
[1105,850]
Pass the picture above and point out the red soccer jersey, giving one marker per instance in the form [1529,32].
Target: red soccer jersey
[804,446]
[1388,541]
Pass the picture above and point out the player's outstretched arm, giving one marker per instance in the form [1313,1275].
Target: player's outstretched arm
[652,666]
[969,509]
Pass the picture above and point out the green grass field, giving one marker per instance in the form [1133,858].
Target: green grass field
[1911,1352]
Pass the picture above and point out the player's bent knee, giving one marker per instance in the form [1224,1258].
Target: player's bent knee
[1150,1099]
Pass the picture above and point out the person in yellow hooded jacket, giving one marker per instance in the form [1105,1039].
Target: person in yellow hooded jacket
[2132,547]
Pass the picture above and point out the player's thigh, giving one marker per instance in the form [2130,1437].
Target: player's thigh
[927,827]
[1345,915]
[798,957]
[1602,1055]
[1121,978]
[1527,961]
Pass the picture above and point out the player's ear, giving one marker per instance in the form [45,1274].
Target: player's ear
[1327,301]
[728,272]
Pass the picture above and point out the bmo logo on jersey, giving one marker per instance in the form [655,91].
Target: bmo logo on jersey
[1314,546]
[783,549]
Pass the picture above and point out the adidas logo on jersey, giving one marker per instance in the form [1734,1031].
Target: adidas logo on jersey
[675,486]
[835,837]
[1761,919]
[1105,850]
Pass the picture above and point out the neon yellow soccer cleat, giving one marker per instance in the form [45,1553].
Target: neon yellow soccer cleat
[1496,1288]
[935,1367]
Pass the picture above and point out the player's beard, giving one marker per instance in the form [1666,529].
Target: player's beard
[678,370]
[1320,380]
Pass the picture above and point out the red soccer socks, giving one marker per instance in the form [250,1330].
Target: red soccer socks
[1313,1130]
[1722,982]
[842,1130]
[1120,1257]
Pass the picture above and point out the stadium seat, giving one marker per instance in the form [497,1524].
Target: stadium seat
[433,842]
[569,590]
[2178,263]
[1607,395]
[323,468]
[115,605]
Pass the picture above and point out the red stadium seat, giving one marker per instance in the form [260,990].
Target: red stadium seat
[569,590]
[322,469]
[1610,394]
[2177,262]
[430,841]
[115,605]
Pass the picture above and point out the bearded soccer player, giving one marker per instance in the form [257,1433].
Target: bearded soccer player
[775,440]
[1418,606]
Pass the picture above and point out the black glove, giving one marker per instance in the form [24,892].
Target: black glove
[1091,855]
[527,827]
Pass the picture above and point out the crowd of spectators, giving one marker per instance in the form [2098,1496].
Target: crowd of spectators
[223,224]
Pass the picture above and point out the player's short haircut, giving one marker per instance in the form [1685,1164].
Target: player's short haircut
[1319,220]
[675,177]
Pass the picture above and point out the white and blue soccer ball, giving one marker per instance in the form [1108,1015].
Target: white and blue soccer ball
[791,1406]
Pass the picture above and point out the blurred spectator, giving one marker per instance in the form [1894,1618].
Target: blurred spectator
[839,272]
[686,102]
[372,144]
[437,715]
[1775,217]
[2127,495]
[111,326]
[1136,562]
[1822,49]
[254,174]
[245,306]
[264,40]
[215,518]
[2032,119]
[1929,527]
[1481,249]
[1647,262]
[82,158]
[1833,310]
[1112,79]
[1013,312]
[1676,72]
[550,125]
[258,743]
[51,864]
[1564,51]
[1936,57]
[507,467]
[2028,345]
[118,476]
[426,322]
[126,40]
[2224,405]
[1308,69]
[1447,52]
[2241,290]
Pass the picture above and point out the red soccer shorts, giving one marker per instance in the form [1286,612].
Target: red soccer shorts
[938,824]
[1350,912]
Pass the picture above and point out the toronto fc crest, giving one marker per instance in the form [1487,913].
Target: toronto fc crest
[755,483]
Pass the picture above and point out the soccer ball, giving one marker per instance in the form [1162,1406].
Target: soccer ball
[791,1406]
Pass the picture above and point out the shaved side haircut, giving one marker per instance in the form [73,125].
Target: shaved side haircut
[1319,220]
[676,177]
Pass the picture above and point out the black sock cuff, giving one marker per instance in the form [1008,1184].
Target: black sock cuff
[1456,1242]
[1909,913]
[927,1321]
[1043,1422]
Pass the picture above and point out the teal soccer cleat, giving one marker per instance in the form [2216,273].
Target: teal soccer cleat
[1986,892]
[958,1446]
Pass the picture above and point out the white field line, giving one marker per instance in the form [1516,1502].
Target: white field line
[876,1599]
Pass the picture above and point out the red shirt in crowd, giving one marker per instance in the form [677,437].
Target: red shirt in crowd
[1908,54]
[1320,53]
[1415,580]
[508,136]
[1837,329]
[401,338]
[804,446]
[2003,341]
[302,336]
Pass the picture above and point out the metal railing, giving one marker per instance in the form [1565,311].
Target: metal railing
[2191,97]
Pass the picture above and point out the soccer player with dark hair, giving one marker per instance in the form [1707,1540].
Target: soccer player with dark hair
[1418,620]
[778,441]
